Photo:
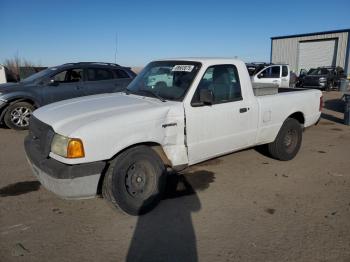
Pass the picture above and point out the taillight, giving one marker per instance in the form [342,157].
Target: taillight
[321,103]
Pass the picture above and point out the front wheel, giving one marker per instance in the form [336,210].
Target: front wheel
[330,86]
[17,115]
[288,141]
[135,180]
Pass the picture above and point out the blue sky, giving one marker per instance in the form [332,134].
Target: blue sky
[56,32]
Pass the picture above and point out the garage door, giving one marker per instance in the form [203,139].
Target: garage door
[317,53]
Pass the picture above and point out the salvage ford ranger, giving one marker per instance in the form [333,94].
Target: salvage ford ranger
[122,144]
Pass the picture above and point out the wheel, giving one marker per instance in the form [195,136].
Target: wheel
[17,115]
[288,141]
[135,180]
[330,86]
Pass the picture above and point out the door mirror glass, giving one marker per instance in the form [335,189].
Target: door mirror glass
[206,97]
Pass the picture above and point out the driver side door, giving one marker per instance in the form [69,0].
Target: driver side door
[268,76]
[226,125]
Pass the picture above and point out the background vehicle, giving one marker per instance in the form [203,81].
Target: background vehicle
[255,67]
[17,101]
[6,76]
[325,78]
[273,74]
[208,110]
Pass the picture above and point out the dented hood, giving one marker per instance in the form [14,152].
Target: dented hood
[70,116]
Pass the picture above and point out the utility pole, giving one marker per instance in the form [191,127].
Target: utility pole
[116,47]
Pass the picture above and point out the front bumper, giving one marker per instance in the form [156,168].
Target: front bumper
[321,85]
[67,181]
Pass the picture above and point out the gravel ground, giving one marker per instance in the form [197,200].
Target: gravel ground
[240,207]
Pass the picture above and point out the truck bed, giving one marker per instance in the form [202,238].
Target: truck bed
[273,90]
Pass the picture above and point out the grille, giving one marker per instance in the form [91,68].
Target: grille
[41,135]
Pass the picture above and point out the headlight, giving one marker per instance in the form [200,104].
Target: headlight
[323,79]
[67,147]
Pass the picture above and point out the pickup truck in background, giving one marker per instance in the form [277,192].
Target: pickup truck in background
[271,74]
[123,144]
[18,100]
[324,78]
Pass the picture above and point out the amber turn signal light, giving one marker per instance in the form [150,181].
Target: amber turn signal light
[75,148]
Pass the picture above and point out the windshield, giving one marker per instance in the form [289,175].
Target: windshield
[39,75]
[167,80]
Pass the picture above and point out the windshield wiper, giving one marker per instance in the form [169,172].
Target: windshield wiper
[127,91]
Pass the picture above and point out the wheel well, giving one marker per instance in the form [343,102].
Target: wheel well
[22,100]
[299,116]
[155,146]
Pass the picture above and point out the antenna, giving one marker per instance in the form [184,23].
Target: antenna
[116,47]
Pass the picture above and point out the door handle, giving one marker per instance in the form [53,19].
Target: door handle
[275,81]
[243,109]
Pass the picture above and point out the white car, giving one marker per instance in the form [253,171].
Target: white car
[123,143]
[274,74]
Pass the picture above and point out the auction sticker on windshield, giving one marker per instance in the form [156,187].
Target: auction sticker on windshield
[183,68]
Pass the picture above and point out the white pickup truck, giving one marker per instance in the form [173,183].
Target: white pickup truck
[274,74]
[123,143]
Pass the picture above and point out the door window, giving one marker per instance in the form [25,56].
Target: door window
[119,73]
[98,74]
[270,72]
[224,83]
[284,71]
[69,76]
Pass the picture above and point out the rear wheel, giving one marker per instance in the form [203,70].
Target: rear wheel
[17,115]
[288,141]
[135,180]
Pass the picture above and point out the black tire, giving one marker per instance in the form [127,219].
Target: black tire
[17,115]
[135,180]
[330,86]
[288,141]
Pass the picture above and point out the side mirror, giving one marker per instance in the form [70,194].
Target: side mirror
[52,82]
[260,75]
[206,97]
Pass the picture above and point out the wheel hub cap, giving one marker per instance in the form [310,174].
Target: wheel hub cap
[20,116]
[136,180]
[290,140]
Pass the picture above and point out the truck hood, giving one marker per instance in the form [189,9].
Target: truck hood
[67,117]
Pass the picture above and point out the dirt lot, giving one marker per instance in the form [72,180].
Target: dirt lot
[240,207]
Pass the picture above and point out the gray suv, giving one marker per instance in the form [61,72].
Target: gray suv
[18,100]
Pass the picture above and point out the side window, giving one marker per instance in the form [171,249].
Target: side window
[69,76]
[60,77]
[224,83]
[119,73]
[98,74]
[284,71]
[270,72]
